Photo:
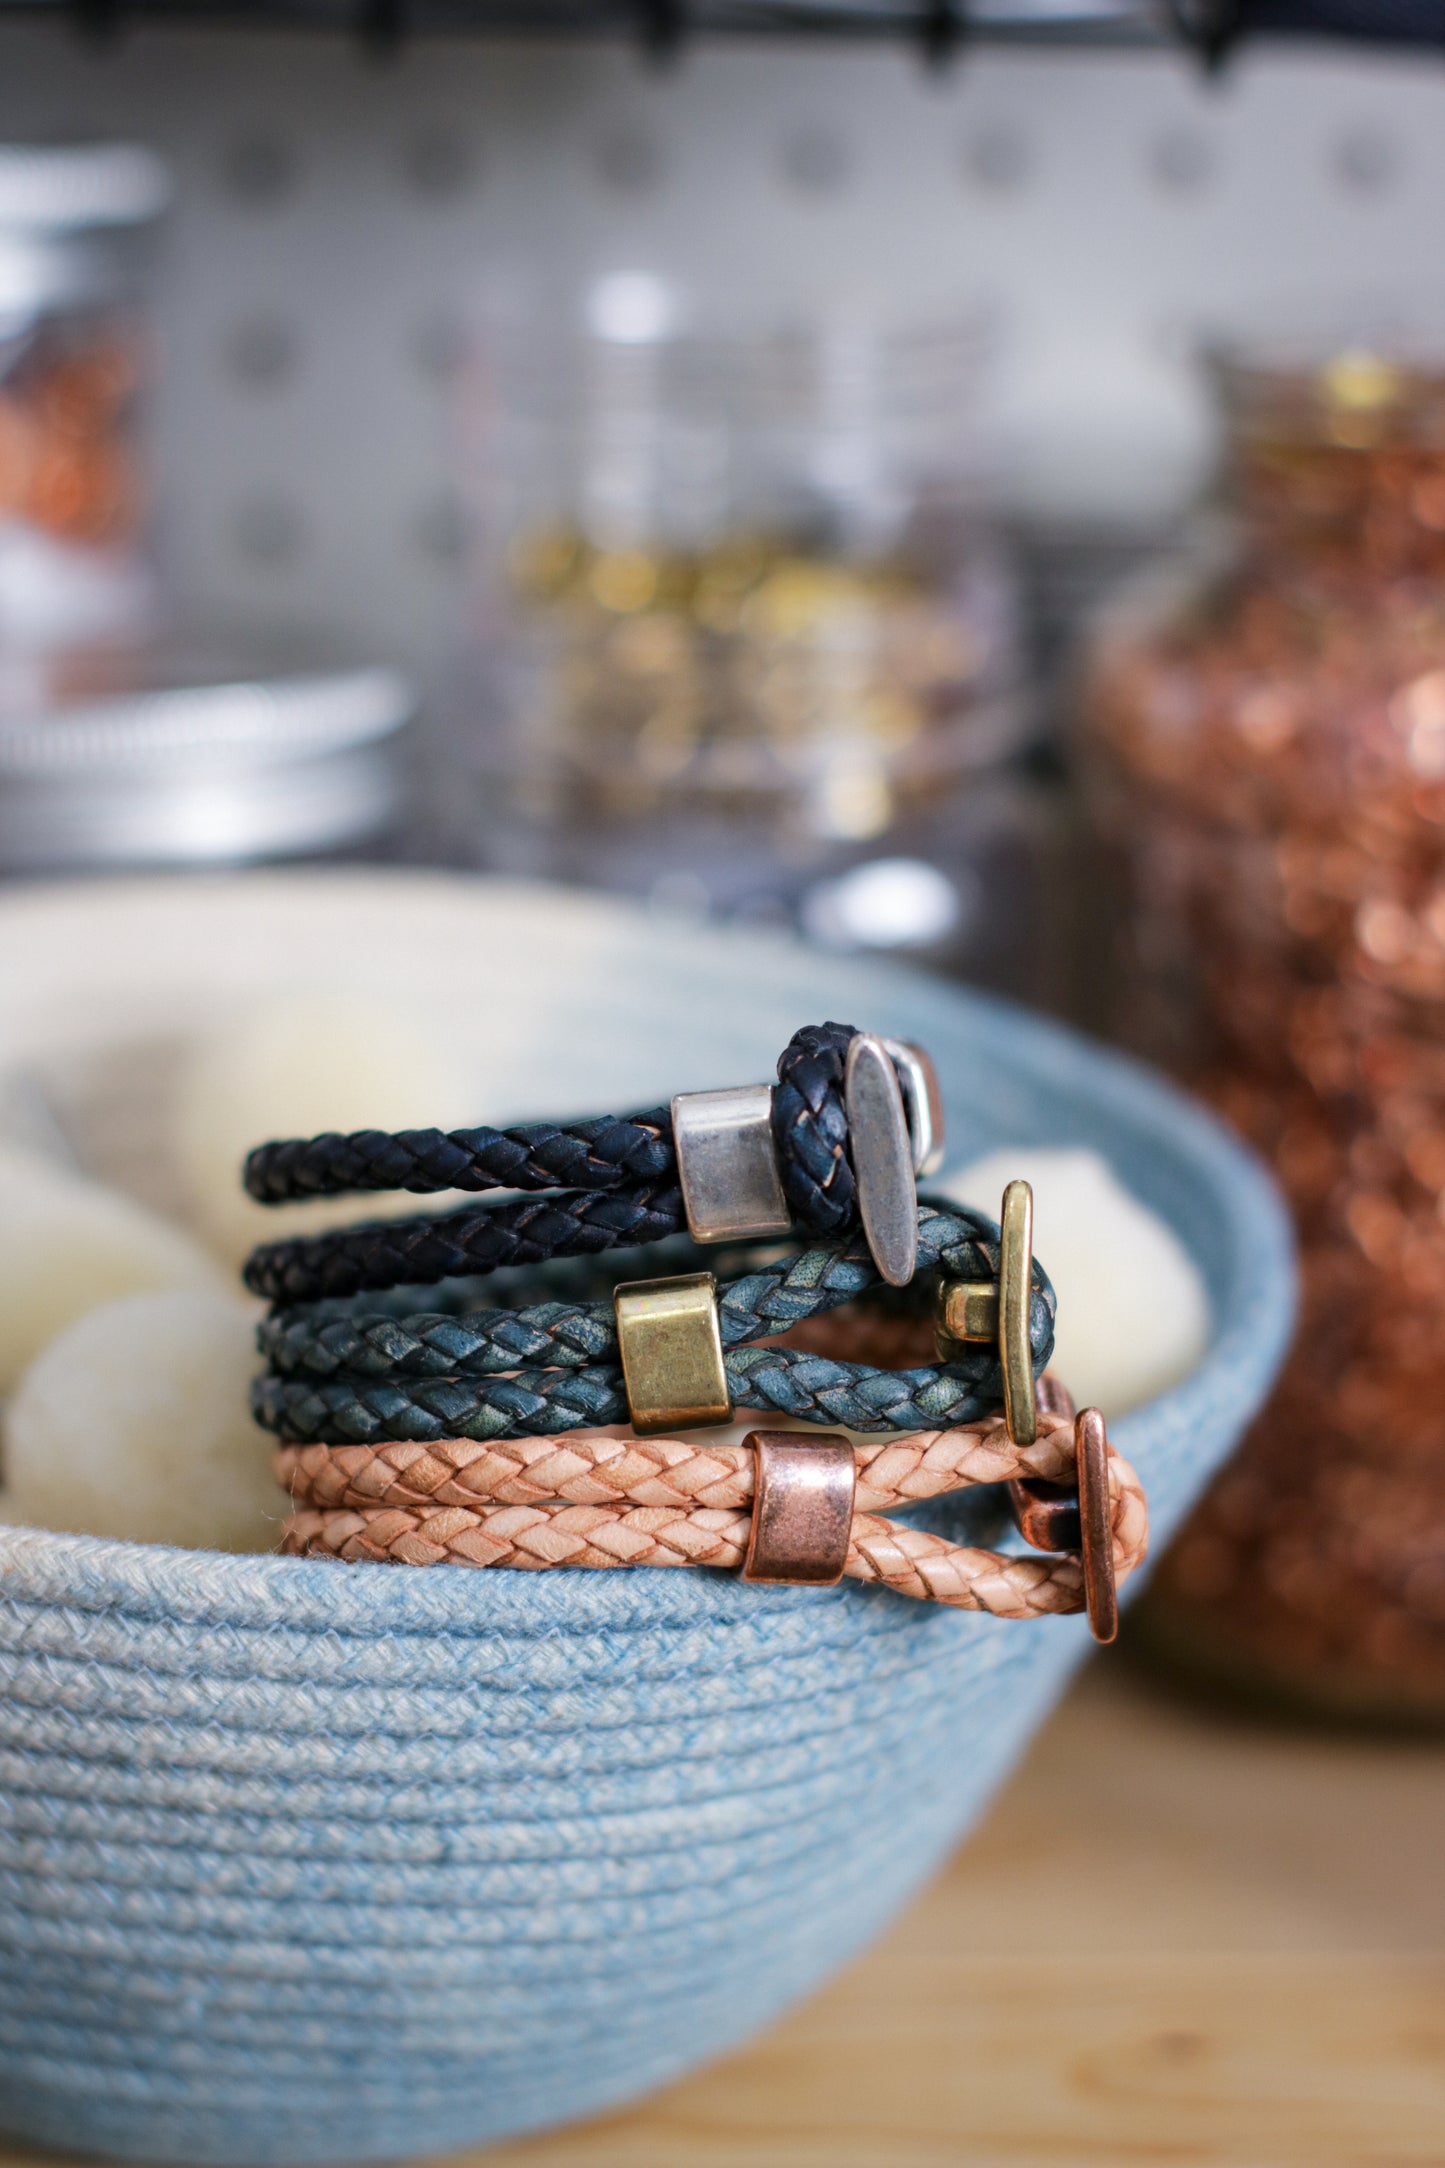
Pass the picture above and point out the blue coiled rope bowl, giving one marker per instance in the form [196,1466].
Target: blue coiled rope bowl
[307,1863]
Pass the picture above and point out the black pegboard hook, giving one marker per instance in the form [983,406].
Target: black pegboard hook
[662,27]
[944,30]
[97,21]
[381,25]
[1210,28]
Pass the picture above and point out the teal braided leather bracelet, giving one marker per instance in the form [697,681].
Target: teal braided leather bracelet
[345,1376]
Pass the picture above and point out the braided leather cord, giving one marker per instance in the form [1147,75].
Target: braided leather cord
[496,1395]
[810,1128]
[456,1245]
[531,1403]
[601,1154]
[625,1162]
[890,1554]
[617,1468]
[491,1342]
[606,1151]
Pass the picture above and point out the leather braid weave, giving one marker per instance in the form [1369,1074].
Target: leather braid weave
[534,1537]
[628,1159]
[431,1344]
[617,1468]
[494,1394]
[457,1245]
[810,1128]
[603,1153]
[779,1381]
[571,1335]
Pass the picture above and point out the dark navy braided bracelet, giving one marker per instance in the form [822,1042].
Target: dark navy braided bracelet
[619,1174]
[343,1376]
[460,1245]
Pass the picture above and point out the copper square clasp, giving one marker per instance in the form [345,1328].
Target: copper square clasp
[803,1494]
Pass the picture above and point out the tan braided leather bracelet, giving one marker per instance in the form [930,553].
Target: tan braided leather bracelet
[612,1467]
[611,1499]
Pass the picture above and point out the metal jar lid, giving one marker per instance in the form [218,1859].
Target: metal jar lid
[64,188]
[63,211]
[220,771]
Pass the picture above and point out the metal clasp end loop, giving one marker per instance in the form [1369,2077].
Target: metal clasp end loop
[1053,1517]
[881,1147]
[922,1101]
[980,1311]
[727,1160]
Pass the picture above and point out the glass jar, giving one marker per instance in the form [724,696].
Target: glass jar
[1266,756]
[744,631]
[73,361]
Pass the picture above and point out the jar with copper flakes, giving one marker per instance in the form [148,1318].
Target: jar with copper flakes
[746,644]
[73,364]
[1265,749]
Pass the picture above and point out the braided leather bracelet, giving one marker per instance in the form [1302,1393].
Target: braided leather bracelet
[456,1434]
[620,1501]
[616,1468]
[348,1379]
[629,1179]
[607,1152]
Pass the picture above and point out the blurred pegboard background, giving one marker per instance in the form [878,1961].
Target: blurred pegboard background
[334,217]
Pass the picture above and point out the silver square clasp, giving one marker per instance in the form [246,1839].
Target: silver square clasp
[727,1164]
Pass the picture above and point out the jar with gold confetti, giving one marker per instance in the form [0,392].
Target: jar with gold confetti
[1266,752]
[745,636]
[73,357]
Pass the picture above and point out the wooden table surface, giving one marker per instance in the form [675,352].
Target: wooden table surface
[1179,1938]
